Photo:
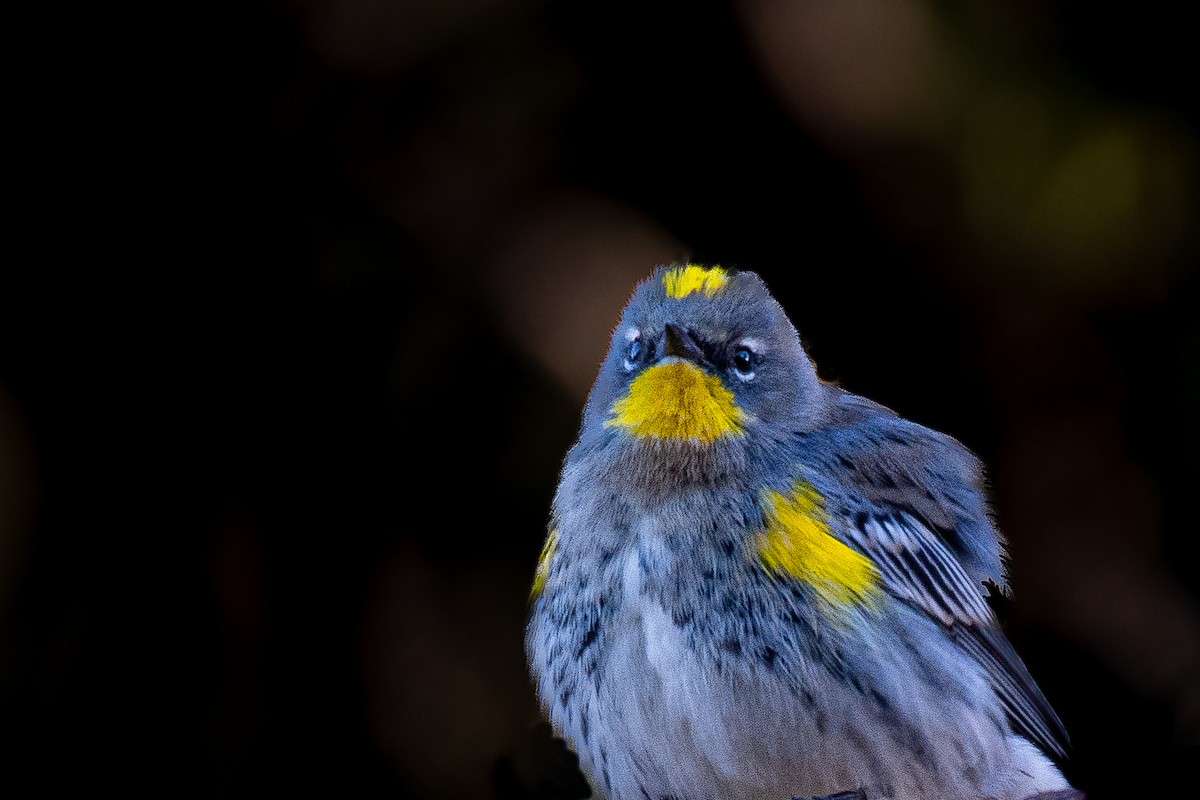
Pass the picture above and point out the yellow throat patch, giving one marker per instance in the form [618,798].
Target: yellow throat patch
[678,400]
[679,282]
[798,543]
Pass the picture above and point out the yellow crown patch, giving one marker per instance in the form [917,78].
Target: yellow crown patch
[679,282]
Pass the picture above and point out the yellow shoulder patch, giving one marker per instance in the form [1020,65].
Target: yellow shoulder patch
[797,542]
[543,565]
[681,281]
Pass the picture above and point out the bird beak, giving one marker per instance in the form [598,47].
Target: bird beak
[681,344]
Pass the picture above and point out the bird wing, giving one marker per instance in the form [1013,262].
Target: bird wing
[916,567]
[891,462]
[913,502]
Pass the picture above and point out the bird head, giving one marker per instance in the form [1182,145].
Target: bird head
[704,361]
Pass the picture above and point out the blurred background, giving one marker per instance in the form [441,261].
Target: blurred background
[302,299]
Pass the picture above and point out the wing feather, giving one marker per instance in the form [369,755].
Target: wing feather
[918,568]
[913,501]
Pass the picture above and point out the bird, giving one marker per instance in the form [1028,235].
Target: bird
[756,584]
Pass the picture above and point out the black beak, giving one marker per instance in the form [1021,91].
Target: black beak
[679,342]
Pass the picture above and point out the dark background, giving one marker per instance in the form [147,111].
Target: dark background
[302,299]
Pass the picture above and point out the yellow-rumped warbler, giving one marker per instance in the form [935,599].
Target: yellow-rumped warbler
[759,585]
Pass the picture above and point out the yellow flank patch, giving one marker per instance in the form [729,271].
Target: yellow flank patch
[682,281]
[798,542]
[678,400]
[543,565]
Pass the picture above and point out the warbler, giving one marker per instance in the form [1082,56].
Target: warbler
[757,584]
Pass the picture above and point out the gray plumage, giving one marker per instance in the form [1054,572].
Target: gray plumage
[679,666]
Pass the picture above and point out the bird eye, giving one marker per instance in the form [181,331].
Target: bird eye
[631,355]
[743,362]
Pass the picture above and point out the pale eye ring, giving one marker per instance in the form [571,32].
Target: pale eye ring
[633,352]
[743,362]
